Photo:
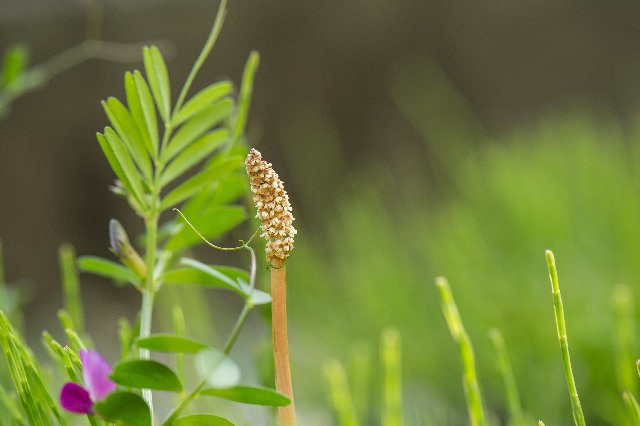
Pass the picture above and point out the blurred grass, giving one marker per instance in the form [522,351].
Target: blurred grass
[569,182]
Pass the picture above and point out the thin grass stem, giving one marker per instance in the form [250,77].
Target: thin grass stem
[508,379]
[576,408]
[459,334]
[71,286]
[390,355]
[339,393]
[623,306]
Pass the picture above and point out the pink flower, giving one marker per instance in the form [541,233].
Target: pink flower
[95,372]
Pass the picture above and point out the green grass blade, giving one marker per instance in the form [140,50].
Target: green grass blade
[158,77]
[578,416]
[508,379]
[339,393]
[390,356]
[623,306]
[71,286]
[459,334]
[632,405]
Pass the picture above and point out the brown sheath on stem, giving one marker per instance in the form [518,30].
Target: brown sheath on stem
[286,414]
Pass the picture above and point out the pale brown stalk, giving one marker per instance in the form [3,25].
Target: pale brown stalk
[274,212]
[286,414]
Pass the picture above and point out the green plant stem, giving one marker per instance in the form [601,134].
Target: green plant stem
[148,293]
[339,393]
[470,379]
[578,416]
[71,286]
[623,306]
[228,346]
[206,50]
[390,355]
[509,381]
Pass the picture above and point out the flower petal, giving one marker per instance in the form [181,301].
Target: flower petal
[76,399]
[95,371]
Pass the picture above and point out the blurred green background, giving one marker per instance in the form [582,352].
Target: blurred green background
[416,139]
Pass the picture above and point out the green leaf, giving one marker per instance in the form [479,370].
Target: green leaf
[201,100]
[242,111]
[196,126]
[135,109]
[227,278]
[201,420]
[158,77]
[211,223]
[125,408]
[121,164]
[256,395]
[129,134]
[200,181]
[228,189]
[146,374]
[170,343]
[213,272]
[195,153]
[196,277]
[217,369]
[148,110]
[126,163]
[107,268]
[14,63]
[255,296]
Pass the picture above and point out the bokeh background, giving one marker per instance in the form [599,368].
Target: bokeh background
[416,138]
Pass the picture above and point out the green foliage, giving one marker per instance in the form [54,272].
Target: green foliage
[125,408]
[568,182]
[190,153]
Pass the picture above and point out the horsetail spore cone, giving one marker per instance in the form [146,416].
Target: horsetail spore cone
[274,211]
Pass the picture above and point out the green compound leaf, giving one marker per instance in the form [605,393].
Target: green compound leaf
[121,163]
[211,223]
[194,154]
[148,110]
[217,369]
[146,374]
[137,112]
[256,395]
[125,408]
[202,420]
[200,181]
[201,100]
[170,343]
[158,77]
[196,126]
[107,268]
[127,129]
